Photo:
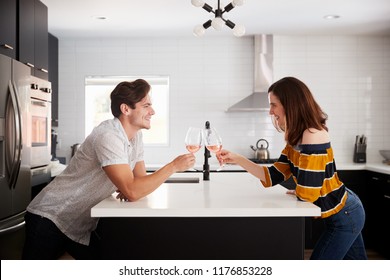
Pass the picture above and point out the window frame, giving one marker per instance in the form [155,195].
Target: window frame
[112,81]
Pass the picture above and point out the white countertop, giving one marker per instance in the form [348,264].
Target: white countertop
[225,195]
[57,168]
[376,167]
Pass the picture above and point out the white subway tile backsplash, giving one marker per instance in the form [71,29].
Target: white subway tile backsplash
[347,74]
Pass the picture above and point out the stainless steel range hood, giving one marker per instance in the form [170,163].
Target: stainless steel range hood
[263,77]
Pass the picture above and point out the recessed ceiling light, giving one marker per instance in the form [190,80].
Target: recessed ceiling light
[331,17]
[99,17]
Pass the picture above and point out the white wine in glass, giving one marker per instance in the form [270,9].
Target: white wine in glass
[193,140]
[213,142]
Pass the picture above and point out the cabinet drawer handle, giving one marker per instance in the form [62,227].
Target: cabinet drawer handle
[30,64]
[387,196]
[41,104]
[44,70]
[375,178]
[47,90]
[7,46]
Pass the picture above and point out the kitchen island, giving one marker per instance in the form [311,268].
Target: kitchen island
[232,216]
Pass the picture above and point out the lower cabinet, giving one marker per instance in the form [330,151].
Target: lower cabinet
[355,181]
[374,191]
[313,230]
[384,229]
[378,192]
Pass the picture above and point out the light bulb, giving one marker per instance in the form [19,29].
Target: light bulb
[197,3]
[217,23]
[238,2]
[199,31]
[238,30]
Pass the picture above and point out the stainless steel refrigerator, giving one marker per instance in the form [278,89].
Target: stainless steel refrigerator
[15,155]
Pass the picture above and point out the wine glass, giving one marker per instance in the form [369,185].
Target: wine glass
[193,140]
[213,142]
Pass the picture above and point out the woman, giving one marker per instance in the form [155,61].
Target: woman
[308,157]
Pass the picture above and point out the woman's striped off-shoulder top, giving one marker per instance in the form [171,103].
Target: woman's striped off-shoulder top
[314,171]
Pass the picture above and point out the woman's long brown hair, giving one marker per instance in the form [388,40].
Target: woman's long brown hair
[301,109]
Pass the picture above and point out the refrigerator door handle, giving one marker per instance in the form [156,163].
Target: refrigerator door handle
[13,153]
[19,130]
[2,149]
[12,228]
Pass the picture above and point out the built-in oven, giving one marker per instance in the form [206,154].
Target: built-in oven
[40,133]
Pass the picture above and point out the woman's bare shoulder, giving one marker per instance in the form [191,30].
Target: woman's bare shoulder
[315,136]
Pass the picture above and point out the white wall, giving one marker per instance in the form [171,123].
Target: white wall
[349,76]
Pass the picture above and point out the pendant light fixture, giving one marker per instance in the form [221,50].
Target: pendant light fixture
[218,22]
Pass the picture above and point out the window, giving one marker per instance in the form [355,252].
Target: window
[97,105]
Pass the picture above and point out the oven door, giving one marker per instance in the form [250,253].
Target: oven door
[40,132]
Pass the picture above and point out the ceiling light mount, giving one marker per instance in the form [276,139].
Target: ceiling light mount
[331,17]
[98,17]
[218,22]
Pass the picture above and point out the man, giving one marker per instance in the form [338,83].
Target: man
[110,159]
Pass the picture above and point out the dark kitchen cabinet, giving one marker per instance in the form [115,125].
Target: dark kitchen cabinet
[8,27]
[53,78]
[378,192]
[358,182]
[26,33]
[355,180]
[385,207]
[41,41]
[374,191]
[33,36]
[313,226]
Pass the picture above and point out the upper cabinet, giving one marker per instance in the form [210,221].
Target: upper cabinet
[8,28]
[53,78]
[26,32]
[41,41]
[33,37]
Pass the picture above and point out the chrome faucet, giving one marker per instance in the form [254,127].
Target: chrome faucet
[206,166]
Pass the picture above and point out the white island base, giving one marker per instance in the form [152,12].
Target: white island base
[229,217]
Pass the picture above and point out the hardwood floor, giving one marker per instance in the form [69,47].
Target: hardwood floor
[371,254]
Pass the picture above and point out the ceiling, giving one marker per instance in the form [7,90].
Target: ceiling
[131,18]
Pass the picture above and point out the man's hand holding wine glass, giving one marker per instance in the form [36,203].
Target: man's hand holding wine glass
[193,140]
[213,142]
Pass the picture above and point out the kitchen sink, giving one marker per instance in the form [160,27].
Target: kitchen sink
[182,180]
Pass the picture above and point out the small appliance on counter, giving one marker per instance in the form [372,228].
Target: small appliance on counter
[261,153]
[386,155]
[53,145]
[359,154]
